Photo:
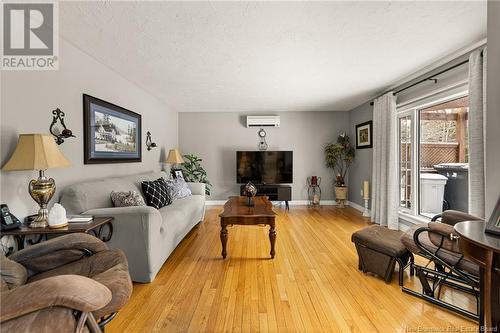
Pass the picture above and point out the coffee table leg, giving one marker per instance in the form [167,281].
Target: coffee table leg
[223,239]
[272,238]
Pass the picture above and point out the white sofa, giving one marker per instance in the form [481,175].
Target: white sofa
[147,235]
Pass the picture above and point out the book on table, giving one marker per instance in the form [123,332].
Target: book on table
[80,218]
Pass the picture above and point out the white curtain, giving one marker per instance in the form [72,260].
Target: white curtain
[385,189]
[477,131]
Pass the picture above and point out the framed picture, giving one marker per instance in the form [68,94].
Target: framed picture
[112,134]
[364,135]
[493,226]
[177,173]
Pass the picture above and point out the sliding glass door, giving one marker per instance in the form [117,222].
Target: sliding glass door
[443,155]
[433,157]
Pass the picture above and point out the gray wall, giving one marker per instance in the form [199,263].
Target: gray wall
[493,108]
[361,169]
[28,98]
[216,137]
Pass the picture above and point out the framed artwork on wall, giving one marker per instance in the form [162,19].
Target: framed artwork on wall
[364,135]
[112,134]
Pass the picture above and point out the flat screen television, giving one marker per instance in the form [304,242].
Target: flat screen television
[264,167]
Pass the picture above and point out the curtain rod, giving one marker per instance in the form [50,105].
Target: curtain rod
[431,77]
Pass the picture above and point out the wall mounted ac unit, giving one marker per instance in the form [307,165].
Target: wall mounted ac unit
[263,121]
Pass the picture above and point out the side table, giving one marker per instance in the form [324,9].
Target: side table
[100,227]
[484,250]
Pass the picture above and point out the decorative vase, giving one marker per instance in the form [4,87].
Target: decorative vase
[314,191]
[250,191]
[341,195]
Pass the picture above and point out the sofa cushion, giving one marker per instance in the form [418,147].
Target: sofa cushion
[156,193]
[180,216]
[127,199]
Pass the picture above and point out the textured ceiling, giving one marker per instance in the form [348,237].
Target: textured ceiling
[269,56]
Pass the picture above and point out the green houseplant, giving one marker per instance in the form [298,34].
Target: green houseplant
[339,157]
[194,172]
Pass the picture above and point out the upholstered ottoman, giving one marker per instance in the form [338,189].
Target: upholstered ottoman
[379,249]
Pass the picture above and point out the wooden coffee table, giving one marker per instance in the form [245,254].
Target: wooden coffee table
[236,211]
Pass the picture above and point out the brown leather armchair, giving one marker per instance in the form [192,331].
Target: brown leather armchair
[72,283]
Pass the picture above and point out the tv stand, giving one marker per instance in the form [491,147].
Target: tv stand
[273,192]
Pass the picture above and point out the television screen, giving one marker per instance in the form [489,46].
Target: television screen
[264,167]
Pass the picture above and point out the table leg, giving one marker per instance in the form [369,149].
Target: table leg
[223,239]
[272,238]
[104,232]
[487,292]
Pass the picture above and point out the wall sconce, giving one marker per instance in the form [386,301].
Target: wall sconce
[66,133]
[149,143]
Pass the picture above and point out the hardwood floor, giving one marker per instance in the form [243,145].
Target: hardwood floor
[312,284]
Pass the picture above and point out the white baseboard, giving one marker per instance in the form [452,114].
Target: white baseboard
[306,202]
[356,206]
[291,203]
[294,203]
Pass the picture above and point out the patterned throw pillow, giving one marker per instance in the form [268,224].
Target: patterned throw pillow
[177,188]
[126,199]
[156,193]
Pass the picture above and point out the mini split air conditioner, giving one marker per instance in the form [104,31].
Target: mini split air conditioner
[263,121]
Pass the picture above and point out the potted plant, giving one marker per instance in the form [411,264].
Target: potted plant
[339,156]
[194,172]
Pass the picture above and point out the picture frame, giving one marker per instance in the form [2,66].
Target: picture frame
[493,225]
[112,134]
[364,135]
[177,174]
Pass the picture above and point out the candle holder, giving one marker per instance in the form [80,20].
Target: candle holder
[58,115]
[366,212]
[149,142]
[314,191]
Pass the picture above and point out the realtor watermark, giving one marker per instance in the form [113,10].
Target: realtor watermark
[462,329]
[30,35]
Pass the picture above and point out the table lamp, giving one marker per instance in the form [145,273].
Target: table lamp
[38,152]
[174,157]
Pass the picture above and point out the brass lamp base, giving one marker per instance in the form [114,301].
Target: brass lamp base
[41,190]
[41,220]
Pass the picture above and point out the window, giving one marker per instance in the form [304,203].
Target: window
[433,156]
[405,161]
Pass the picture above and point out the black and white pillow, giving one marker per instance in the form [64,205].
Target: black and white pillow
[156,193]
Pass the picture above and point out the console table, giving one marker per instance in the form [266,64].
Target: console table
[483,249]
[273,192]
[100,227]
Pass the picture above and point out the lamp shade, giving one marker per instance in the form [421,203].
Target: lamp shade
[174,157]
[36,152]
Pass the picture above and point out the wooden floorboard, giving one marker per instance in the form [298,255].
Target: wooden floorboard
[312,284]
